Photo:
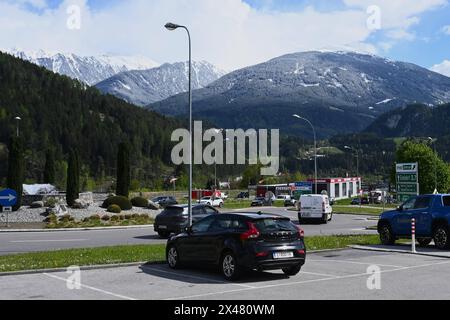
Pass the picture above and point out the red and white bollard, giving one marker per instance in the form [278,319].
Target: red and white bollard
[413,232]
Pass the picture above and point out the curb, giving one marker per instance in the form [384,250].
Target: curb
[398,251]
[76,229]
[118,265]
[82,268]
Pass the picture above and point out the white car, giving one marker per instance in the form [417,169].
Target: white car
[315,207]
[217,202]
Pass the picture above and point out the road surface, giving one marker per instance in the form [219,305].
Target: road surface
[22,242]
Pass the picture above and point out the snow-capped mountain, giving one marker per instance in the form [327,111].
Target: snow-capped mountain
[143,87]
[88,69]
[339,91]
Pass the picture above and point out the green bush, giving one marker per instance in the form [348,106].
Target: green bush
[135,216]
[106,218]
[127,216]
[115,218]
[95,217]
[123,202]
[139,202]
[121,217]
[52,218]
[50,203]
[66,218]
[114,209]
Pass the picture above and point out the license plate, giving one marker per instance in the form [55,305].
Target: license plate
[283,255]
[306,215]
[163,227]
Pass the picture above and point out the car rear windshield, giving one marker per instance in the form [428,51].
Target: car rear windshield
[446,201]
[271,225]
[173,211]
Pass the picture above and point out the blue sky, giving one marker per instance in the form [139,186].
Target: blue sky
[239,30]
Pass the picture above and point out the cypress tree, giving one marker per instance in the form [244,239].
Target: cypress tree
[49,170]
[16,169]
[73,179]
[123,171]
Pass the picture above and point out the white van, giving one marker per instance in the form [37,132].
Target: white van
[315,206]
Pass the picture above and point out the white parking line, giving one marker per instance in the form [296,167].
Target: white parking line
[38,241]
[92,288]
[307,281]
[199,278]
[320,274]
[356,262]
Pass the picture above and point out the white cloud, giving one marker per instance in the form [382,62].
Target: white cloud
[230,34]
[442,68]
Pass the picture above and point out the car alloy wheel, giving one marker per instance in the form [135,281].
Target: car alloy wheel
[172,257]
[441,238]
[292,271]
[386,235]
[228,266]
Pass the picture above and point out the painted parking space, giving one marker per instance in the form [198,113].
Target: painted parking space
[332,275]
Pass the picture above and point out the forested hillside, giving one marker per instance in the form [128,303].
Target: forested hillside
[62,114]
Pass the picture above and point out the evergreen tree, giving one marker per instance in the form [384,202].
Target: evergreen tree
[123,171]
[50,167]
[16,169]
[73,178]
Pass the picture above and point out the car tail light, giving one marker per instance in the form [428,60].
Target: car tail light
[323,206]
[252,232]
[301,232]
[301,252]
[262,254]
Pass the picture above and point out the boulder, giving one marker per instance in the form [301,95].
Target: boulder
[80,204]
[37,204]
[153,206]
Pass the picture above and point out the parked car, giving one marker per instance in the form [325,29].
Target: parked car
[290,202]
[164,201]
[239,242]
[213,202]
[243,195]
[260,202]
[315,207]
[432,214]
[175,218]
[359,201]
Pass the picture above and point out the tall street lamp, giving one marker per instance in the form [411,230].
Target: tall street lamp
[315,148]
[432,141]
[18,119]
[172,26]
[357,158]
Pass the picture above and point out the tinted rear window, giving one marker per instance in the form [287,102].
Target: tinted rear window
[273,225]
[446,201]
[172,211]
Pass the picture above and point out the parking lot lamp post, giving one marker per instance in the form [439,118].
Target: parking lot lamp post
[357,158]
[18,119]
[172,26]
[315,148]
[432,141]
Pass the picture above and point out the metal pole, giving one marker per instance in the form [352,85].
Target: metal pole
[190,128]
[413,232]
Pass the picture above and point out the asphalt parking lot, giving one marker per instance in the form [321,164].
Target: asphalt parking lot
[327,275]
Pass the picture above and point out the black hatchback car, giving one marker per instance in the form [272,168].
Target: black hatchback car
[175,218]
[238,242]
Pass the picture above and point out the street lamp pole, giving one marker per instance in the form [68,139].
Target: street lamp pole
[435,165]
[171,26]
[18,119]
[315,149]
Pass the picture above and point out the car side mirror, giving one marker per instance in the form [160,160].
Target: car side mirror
[400,208]
[189,230]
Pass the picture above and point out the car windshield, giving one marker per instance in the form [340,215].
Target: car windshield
[206,198]
[272,224]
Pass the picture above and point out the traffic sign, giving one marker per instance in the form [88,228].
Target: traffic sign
[8,198]
[412,188]
[407,167]
[407,178]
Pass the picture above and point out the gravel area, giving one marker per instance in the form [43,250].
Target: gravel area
[28,215]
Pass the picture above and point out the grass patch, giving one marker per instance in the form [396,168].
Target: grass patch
[339,242]
[82,257]
[237,204]
[140,253]
[357,210]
